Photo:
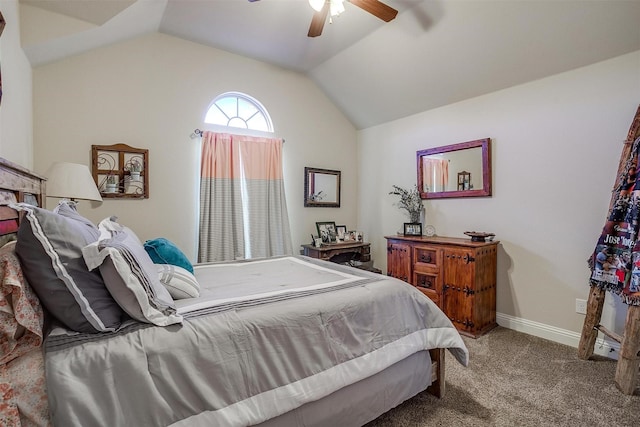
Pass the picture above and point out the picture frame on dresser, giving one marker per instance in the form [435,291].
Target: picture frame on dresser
[412,229]
[341,232]
[327,231]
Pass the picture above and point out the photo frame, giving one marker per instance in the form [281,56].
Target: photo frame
[341,231]
[327,231]
[412,229]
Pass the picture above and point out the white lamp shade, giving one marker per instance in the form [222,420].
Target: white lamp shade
[71,181]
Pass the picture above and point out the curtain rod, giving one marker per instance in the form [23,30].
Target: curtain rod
[198,133]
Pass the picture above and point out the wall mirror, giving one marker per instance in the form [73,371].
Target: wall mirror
[458,170]
[321,188]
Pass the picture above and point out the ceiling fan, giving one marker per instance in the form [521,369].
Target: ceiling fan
[323,8]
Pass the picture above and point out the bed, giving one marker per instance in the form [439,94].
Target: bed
[284,341]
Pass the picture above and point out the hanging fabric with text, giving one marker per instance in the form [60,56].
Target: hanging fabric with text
[615,263]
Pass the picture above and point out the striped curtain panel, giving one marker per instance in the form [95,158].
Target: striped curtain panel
[243,211]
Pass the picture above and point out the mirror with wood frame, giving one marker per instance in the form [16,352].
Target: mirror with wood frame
[458,170]
[321,188]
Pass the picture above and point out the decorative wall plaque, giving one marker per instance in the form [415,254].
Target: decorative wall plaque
[120,171]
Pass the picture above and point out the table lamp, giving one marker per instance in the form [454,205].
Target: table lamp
[71,181]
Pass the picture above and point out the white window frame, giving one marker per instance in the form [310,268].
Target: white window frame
[218,127]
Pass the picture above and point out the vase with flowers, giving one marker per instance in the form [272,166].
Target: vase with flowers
[410,201]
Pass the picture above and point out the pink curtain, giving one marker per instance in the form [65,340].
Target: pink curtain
[436,175]
[243,210]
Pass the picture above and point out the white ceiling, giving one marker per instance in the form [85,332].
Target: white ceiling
[434,53]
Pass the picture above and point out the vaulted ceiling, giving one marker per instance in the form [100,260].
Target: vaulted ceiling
[436,52]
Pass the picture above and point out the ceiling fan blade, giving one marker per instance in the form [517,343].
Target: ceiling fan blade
[376,8]
[318,20]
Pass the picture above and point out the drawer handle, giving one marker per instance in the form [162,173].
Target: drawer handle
[468,258]
[426,258]
[426,283]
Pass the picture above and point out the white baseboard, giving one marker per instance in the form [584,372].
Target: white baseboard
[602,347]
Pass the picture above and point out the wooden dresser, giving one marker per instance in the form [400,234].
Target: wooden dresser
[457,274]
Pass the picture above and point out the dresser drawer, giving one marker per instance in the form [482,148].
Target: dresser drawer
[424,256]
[429,284]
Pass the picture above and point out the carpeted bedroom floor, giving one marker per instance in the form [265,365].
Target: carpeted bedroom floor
[515,379]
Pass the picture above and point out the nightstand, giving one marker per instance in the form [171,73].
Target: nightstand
[339,252]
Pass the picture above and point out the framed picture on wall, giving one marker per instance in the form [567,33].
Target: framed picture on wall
[327,231]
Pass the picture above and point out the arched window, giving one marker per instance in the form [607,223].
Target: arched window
[249,189]
[238,110]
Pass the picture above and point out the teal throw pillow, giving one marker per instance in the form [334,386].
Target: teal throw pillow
[162,251]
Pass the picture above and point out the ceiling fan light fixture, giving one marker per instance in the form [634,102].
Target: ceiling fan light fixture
[337,7]
[331,8]
[317,4]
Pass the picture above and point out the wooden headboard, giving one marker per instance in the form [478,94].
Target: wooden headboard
[21,185]
[26,185]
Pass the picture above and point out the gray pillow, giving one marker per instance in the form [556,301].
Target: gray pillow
[130,275]
[50,251]
[67,208]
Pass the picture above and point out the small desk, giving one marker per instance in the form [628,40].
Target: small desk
[360,250]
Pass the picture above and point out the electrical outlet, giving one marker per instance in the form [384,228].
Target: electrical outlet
[581,306]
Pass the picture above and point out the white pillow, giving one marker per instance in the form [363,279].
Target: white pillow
[178,281]
[130,275]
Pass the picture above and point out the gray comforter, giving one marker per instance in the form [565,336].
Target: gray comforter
[264,338]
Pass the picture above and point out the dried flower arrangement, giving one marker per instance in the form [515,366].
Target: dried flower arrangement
[410,201]
[135,166]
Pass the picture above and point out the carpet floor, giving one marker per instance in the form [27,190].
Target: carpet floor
[515,379]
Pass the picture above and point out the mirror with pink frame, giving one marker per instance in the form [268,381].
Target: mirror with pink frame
[441,168]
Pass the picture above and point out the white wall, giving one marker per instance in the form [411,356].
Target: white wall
[16,132]
[152,92]
[556,149]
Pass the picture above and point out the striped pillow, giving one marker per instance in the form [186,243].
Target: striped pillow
[178,281]
[50,251]
[130,275]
